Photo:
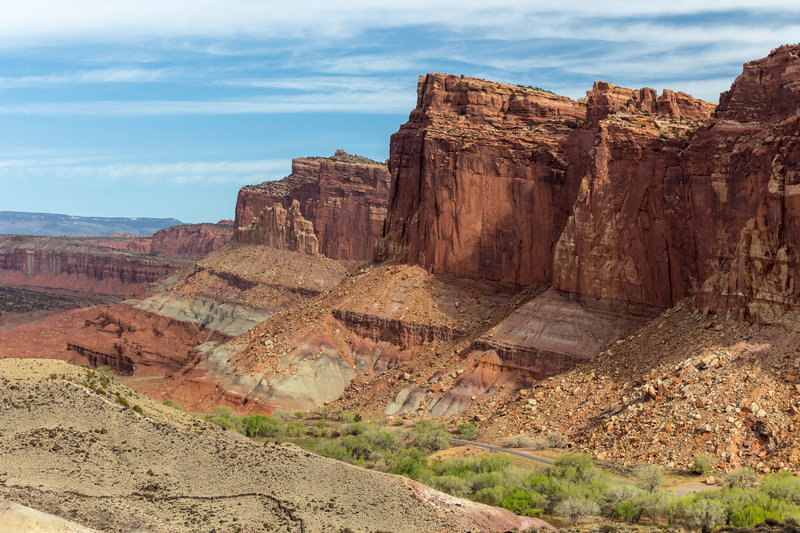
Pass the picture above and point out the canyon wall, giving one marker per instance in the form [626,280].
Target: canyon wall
[479,180]
[190,241]
[344,198]
[64,263]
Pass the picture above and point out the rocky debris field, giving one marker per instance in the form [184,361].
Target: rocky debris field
[683,384]
[83,456]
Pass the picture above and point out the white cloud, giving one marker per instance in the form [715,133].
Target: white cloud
[194,172]
[109,75]
[392,101]
[55,22]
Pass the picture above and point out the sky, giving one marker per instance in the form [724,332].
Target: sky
[165,108]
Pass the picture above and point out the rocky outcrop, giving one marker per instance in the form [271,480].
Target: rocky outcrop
[122,241]
[64,263]
[281,228]
[189,241]
[608,99]
[343,197]
[479,176]
[658,219]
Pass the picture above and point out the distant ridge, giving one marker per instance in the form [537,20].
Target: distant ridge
[50,224]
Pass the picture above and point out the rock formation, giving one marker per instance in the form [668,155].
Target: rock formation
[64,263]
[479,176]
[281,228]
[343,197]
[190,241]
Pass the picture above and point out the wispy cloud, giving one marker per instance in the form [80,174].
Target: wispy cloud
[177,173]
[109,75]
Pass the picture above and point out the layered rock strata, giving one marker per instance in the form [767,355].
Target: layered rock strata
[64,263]
[190,241]
[281,228]
[343,197]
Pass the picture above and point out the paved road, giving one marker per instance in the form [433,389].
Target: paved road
[500,449]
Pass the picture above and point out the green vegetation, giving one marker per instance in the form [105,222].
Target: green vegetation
[122,401]
[702,464]
[467,431]
[174,405]
[572,488]
[138,409]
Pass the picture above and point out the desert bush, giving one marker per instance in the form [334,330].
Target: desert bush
[744,478]
[263,426]
[556,440]
[467,431]
[345,417]
[122,401]
[493,495]
[380,439]
[223,411]
[283,414]
[138,409]
[319,428]
[433,441]
[649,477]
[574,508]
[522,441]
[174,405]
[409,462]
[782,486]
[702,464]
[295,429]
[574,467]
[298,414]
[452,485]
[353,428]
[524,503]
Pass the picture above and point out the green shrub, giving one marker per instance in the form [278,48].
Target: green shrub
[704,514]
[122,401]
[467,431]
[409,462]
[345,417]
[782,486]
[138,409]
[296,429]
[283,414]
[433,441]
[298,414]
[319,428]
[575,508]
[493,495]
[262,426]
[752,515]
[702,464]
[576,468]
[742,478]
[223,411]
[649,477]
[524,503]
[353,428]
[452,485]
[556,440]
[174,405]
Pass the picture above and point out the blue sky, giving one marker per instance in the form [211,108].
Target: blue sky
[165,108]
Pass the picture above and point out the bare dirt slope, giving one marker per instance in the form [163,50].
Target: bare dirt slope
[80,455]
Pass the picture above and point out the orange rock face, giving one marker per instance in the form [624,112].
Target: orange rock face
[658,219]
[189,241]
[64,263]
[282,229]
[344,197]
[480,185]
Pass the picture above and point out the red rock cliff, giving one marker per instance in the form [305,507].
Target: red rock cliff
[282,229]
[658,219]
[479,180]
[65,263]
[189,241]
[344,197]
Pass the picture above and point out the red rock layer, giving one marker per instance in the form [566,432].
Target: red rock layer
[130,243]
[282,229]
[189,241]
[479,174]
[656,219]
[64,263]
[344,197]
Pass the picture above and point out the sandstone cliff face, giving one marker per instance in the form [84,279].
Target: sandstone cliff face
[189,241]
[71,264]
[657,220]
[343,197]
[479,176]
[282,229]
